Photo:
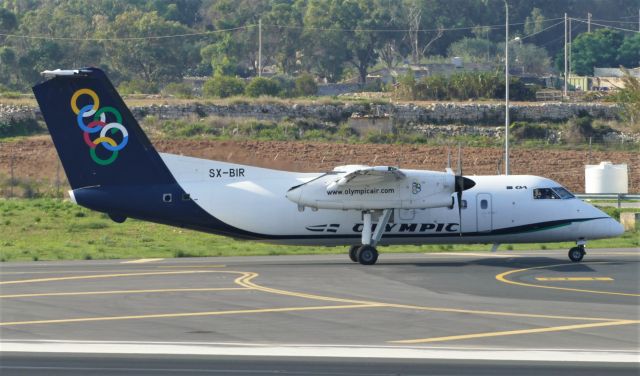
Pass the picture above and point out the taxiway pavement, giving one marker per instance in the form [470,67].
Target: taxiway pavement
[468,310]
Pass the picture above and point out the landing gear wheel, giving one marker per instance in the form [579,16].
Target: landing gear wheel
[576,254]
[367,255]
[353,252]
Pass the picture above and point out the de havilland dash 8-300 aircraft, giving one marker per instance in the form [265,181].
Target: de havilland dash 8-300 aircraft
[113,168]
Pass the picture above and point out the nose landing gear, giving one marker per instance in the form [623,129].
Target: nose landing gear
[367,254]
[576,254]
[353,252]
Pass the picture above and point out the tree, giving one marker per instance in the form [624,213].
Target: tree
[324,47]
[242,14]
[282,29]
[629,97]
[595,49]
[414,18]
[8,62]
[629,52]
[8,22]
[223,56]
[183,11]
[154,60]
[527,57]
[534,23]
[389,54]
[365,20]
[355,28]
[41,56]
[425,21]
[473,49]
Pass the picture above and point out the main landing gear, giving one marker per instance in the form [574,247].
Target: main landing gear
[577,253]
[367,254]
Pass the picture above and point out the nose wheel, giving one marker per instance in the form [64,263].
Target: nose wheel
[353,252]
[367,255]
[576,254]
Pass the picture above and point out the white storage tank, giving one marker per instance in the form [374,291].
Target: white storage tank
[606,177]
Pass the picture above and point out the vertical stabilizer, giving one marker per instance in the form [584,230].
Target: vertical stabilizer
[98,140]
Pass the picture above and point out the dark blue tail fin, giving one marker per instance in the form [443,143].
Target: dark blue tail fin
[98,140]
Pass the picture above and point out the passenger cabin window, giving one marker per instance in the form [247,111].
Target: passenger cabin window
[484,204]
[545,194]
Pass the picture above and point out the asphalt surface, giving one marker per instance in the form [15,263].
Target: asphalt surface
[57,365]
[466,313]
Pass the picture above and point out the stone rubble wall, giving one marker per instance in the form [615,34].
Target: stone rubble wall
[440,113]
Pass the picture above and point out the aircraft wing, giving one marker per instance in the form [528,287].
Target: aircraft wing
[361,175]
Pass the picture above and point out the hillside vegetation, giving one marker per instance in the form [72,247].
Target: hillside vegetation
[150,45]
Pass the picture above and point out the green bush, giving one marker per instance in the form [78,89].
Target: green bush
[406,85]
[286,84]
[521,130]
[306,85]
[19,127]
[262,86]
[375,86]
[138,86]
[223,86]
[7,92]
[578,129]
[179,90]
[462,86]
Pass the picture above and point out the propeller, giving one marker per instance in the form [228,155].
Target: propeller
[461,184]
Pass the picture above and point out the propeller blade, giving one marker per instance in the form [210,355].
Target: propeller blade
[461,184]
[449,158]
[459,172]
[459,194]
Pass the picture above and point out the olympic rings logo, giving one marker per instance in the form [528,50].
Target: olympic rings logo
[98,123]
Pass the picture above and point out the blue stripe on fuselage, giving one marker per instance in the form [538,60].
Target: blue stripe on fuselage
[146,203]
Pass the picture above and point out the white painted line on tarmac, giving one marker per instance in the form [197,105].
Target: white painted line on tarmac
[574,279]
[142,261]
[499,255]
[332,351]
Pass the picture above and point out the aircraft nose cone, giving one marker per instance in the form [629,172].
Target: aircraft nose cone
[294,194]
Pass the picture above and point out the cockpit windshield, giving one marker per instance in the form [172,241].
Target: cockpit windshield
[555,193]
[563,193]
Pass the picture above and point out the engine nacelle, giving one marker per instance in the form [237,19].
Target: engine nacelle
[415,190]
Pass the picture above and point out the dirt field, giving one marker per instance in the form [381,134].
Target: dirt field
[35,158]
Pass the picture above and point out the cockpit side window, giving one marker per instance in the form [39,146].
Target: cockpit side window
[563,193]
[545,194]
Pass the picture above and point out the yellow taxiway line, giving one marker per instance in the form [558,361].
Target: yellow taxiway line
[517,332]
[188,314]
[79,293]
[502,277]
[98,276]
[245,281]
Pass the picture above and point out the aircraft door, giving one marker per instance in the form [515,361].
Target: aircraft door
[483,212]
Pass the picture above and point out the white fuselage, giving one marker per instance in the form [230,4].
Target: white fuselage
[499,209]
